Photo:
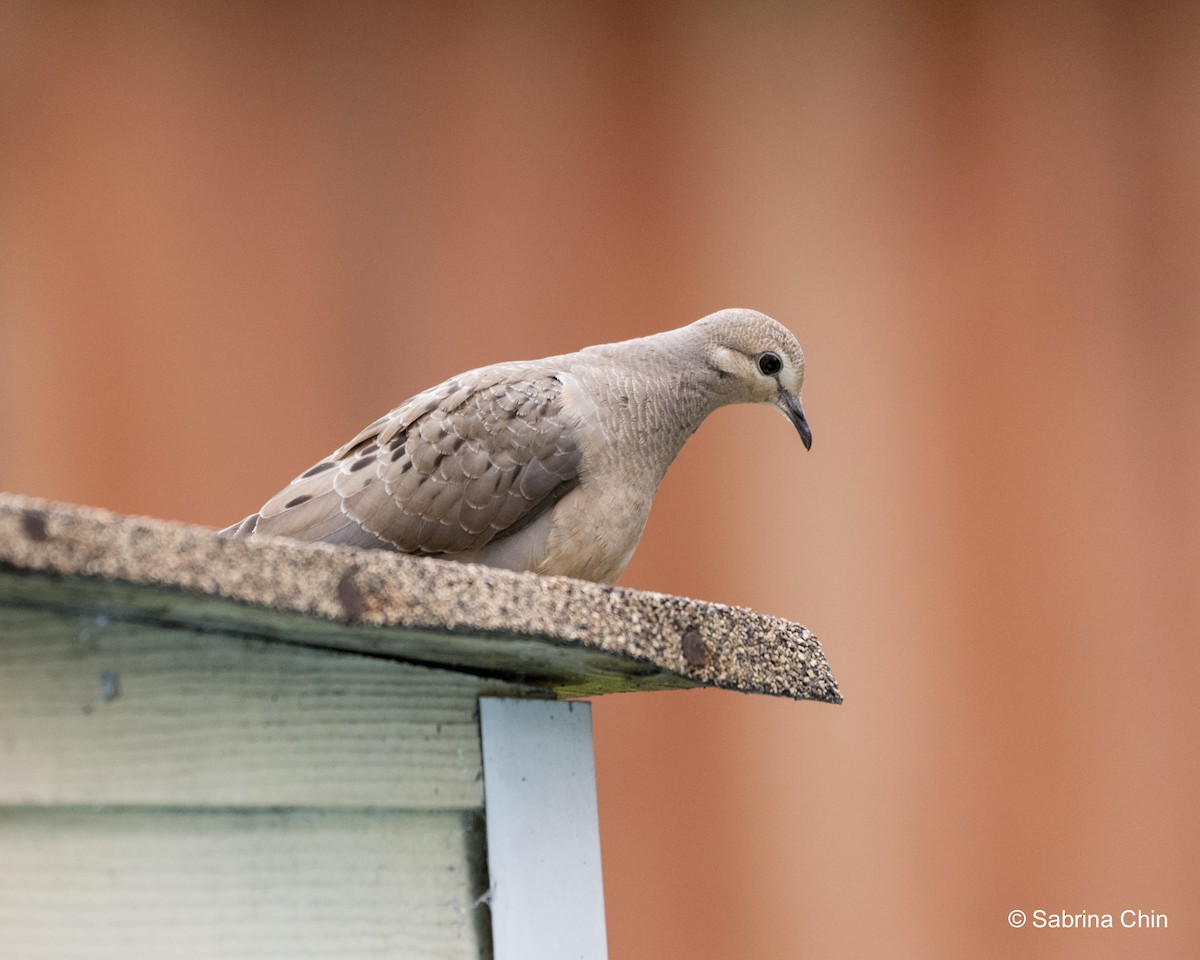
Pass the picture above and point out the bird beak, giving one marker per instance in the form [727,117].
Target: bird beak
[790,404]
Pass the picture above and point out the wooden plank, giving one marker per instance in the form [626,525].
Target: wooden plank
[175,885]
[547,892]
[94,711]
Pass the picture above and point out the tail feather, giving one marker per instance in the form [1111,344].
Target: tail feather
[241,530]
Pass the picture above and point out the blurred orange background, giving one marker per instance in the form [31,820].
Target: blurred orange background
[232,234]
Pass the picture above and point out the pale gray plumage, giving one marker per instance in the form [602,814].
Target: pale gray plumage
[545,465]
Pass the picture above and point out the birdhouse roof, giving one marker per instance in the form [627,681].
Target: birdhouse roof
[571,637]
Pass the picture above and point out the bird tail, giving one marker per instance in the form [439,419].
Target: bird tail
[240,530]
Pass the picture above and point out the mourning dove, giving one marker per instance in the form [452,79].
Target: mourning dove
[544,465]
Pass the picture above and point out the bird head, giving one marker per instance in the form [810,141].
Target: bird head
[757,360]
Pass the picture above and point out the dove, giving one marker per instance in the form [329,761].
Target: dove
[547,466]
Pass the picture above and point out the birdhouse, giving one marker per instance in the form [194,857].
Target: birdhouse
[218,749]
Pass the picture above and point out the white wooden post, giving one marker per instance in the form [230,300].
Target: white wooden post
[543,831]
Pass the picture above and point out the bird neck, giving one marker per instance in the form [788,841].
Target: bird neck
[653,405]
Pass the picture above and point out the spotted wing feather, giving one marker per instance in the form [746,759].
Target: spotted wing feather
[448,472]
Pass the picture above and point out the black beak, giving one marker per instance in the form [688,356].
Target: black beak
[791,406]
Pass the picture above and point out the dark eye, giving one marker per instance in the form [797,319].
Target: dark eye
[770,364]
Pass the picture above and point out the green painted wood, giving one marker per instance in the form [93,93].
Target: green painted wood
[98,711]
[197,885]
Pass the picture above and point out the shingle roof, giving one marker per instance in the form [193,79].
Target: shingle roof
[575,637]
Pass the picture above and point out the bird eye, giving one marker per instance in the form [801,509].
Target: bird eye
[770,364]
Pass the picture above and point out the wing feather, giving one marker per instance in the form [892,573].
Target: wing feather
[453,469]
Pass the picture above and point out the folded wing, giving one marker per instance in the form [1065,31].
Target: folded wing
[471,461]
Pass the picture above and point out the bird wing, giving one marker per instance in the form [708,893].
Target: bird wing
[470,461]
